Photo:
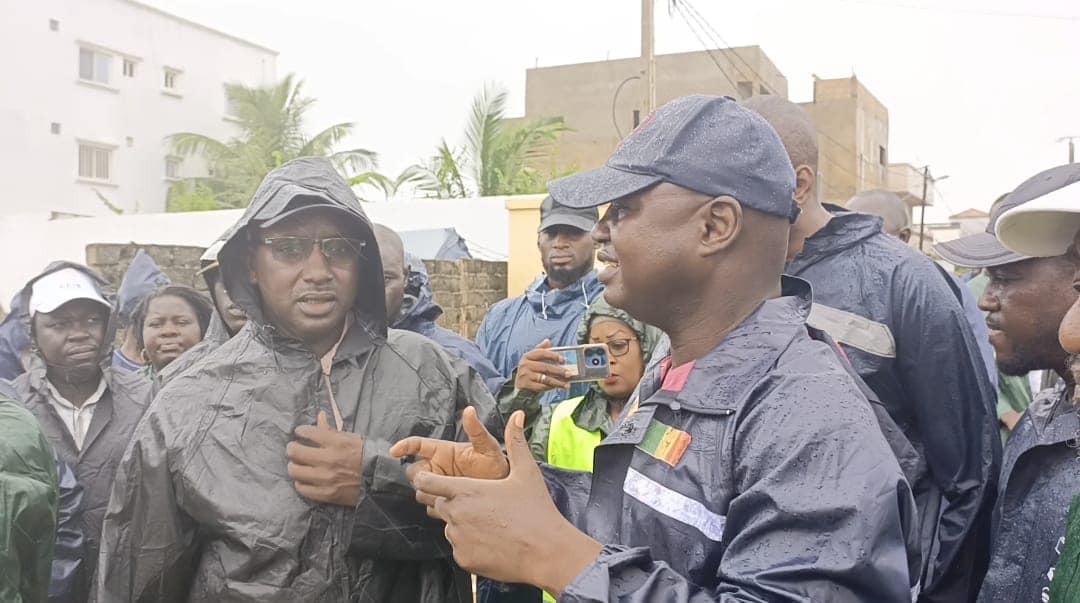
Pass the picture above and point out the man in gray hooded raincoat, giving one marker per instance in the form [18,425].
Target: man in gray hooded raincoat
[262,473]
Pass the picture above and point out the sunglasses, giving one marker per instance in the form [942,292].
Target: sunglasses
[293,250]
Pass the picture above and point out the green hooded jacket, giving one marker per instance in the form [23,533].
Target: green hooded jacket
[28,495]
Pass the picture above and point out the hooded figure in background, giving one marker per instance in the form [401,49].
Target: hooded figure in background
[417,312]
[87,408]
[591,413]
[141,279]
[225,322]
[14,339]
[262,473]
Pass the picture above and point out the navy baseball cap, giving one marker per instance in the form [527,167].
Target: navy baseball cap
[707,144]
[556,214]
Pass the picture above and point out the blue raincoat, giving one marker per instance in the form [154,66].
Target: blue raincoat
[514,326]
[14,339]
[904,330]
[419,313]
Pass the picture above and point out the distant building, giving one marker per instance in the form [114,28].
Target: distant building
[100,84]
[602,102]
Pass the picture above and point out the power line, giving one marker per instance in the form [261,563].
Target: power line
[705,45]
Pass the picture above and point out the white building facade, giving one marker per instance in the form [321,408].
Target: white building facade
[92,89]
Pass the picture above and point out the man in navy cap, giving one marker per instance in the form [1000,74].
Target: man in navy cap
[901,324]
[553,305]
[748,466]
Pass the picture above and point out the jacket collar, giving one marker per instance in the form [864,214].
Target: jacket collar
[103,411]
[1054,419]
[359,339]
[553,303]
[721,380]
[845,230]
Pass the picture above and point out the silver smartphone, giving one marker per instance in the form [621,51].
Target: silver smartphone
[585,362]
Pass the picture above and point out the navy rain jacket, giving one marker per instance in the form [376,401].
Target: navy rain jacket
[419,313]
[786,490]
[903,328]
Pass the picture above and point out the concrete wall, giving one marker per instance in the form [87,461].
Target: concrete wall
[130,115]
[465,289]
[583,94]
[853,128]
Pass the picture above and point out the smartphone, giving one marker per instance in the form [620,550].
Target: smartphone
[585,362]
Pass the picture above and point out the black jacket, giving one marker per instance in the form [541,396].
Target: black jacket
[904,331]
[786,489]
[1040,477]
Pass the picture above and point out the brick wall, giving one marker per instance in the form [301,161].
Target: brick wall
[464,288]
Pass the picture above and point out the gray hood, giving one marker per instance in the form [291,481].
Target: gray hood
[310,177]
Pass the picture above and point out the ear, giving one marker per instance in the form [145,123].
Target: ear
[904,234]
[722,221]
[805,184]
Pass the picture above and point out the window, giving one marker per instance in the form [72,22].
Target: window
[94,65]
[172,167]
[54,127]
[54,25]
[230,106]
[171,77]
[94,161]
[745,89]
[129,68]
[883,156]
[763,90]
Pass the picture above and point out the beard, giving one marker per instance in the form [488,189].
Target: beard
[568,274]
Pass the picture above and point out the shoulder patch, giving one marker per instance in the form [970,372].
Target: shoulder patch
[853,330]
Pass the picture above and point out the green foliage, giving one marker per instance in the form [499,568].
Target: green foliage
[495,159]
[184,196]
[271,123]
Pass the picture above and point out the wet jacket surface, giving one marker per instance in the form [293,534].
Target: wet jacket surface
[70,548]
[1040,478]
[204,509]
[902,327]
[419,313]
[28,501]
[14,339]
[115,416]
[514,326]
[786,491]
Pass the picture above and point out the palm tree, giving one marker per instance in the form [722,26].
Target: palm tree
[271,124]
[495,159]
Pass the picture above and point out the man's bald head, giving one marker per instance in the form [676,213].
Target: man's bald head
[395,270]
[792,123]
[886,205]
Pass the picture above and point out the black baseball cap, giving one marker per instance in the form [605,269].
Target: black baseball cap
[982,249]
[708,144]
[556,214]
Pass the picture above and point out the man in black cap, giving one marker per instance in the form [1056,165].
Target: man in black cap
[552,307]
[1028,298]
[748,466]
[901,325]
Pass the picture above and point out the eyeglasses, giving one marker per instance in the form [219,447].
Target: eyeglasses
[336,250]
[618,347]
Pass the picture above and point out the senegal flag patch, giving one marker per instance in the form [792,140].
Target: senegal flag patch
[664,442]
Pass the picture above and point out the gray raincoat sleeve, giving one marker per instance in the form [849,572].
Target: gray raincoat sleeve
[144,527]
[821,514]
[388,504]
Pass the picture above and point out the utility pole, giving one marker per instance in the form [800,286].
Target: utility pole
[927,180]
[1072,146]
[922,210]
[648,54]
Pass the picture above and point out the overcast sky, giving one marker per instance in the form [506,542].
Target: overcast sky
[979,90]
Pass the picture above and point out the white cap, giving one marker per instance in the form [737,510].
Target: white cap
[1047,219]
[58,288]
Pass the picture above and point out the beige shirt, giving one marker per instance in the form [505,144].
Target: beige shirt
[76,419]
